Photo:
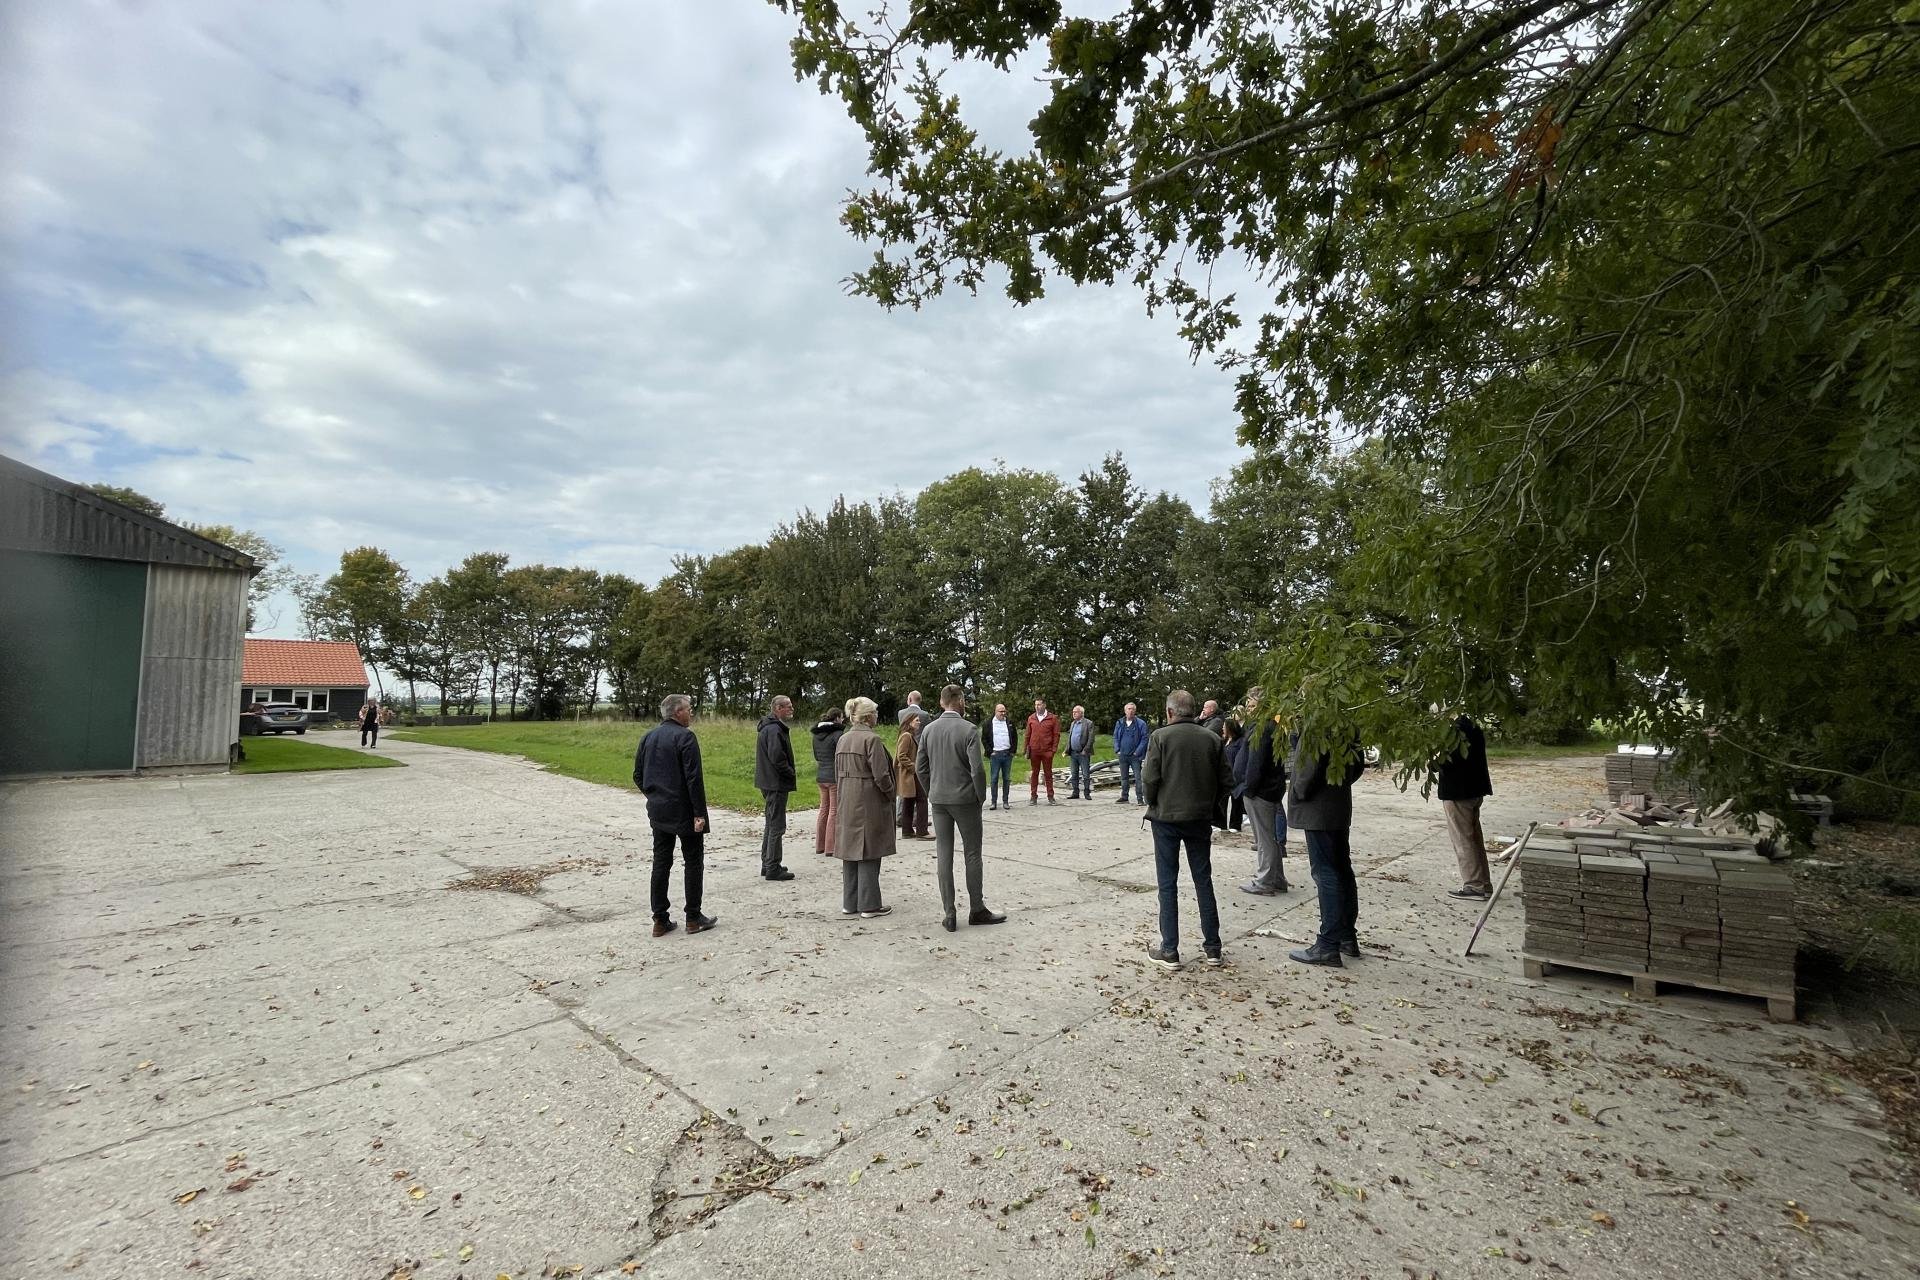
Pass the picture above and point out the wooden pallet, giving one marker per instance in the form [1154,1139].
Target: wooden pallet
[1780,1004]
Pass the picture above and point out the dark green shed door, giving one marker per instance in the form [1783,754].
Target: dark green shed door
[70,633]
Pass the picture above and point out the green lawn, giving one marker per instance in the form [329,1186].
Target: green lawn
[281,754]
[602,751]
[1595,744]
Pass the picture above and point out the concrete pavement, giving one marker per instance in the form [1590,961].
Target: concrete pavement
[243,1035]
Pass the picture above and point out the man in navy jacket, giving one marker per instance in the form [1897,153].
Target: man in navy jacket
[667,769]
[1464,783]
[1130,746]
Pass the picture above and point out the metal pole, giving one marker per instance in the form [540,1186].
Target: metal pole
[1512,862]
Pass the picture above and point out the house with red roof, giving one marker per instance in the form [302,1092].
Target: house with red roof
[326,677]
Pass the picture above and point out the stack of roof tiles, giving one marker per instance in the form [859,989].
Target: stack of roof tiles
[1677,905]
[1634,773]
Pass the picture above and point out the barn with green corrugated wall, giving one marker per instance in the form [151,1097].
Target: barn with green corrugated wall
[120,635]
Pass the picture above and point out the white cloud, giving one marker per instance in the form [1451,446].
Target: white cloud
[557,280]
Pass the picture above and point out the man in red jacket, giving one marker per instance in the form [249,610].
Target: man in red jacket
[1043,739]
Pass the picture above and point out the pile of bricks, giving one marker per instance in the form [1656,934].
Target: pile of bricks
[1661,905]
[1639,773]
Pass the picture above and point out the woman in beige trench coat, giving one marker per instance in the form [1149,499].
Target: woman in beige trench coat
[865,833]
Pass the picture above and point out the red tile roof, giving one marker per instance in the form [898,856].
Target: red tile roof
[314,664]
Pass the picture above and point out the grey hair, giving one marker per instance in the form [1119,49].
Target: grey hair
[670,706]
[862,710]
[779,700]
[1180,705]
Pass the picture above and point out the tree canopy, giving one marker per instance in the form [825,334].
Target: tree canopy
[1625,293]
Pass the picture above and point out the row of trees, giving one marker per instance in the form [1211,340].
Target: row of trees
[1011,583]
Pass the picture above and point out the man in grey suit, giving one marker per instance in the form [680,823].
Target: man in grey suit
[955,781]
[913,708]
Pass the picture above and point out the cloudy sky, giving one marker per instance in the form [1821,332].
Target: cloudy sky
[556,279]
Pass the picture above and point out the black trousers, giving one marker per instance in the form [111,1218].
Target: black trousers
[373,729]
[693,857]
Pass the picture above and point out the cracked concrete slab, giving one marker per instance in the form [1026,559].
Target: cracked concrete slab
[798,1094]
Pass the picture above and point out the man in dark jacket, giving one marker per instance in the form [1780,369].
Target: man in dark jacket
[1323,810]
[773,773]
[1186,783]
[1266,793]
[1130,749]
[667,769]
[1081,738]
[1464,783]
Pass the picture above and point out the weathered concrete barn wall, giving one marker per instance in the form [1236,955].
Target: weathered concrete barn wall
[190,676]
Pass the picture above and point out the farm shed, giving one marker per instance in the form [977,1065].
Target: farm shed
[121,632]
[324,678]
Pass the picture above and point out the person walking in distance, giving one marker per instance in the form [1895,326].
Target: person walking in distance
[667,769]
[1186,784]
[1080,742]
[1130,748]
[775,776]
[1043,740]
[863,771]
[955,783]
[1464,782]
[906,783]
[370,723]
[999,740]
[1323,810]
[826,736]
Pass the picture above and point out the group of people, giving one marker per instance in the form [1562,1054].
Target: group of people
[1199,772]
[939,774]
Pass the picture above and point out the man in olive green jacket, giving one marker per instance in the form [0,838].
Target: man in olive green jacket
[1186,782]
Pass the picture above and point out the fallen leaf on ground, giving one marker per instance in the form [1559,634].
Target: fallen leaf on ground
[1604,1219]
[188,1197]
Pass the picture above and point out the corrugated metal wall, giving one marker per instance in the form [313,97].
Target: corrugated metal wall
[39,512]
[190,679]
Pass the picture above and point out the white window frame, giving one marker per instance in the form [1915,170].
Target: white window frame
[319,700]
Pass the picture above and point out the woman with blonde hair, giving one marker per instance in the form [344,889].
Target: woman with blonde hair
[863,773]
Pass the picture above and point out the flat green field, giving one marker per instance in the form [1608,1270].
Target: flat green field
[281,754]
[602,751]
[1594,744]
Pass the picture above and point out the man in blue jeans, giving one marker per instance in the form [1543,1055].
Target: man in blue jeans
[1130,748]
[1323,811]
[1080,738]
[1185,782]
[999,739]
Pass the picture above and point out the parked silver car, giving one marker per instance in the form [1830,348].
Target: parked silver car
[283,717]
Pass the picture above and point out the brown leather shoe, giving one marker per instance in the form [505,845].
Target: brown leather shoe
[700,924]
[661,928]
